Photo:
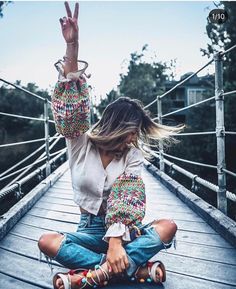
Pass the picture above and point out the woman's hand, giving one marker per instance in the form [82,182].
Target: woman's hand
[69,24]
[116,256]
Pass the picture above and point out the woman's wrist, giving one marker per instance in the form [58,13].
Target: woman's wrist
[72,43]
[114,241]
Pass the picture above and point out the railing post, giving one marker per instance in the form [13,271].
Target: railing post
[220,133]
[159,115]
[46,134]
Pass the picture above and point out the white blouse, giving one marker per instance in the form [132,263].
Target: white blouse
[90,181]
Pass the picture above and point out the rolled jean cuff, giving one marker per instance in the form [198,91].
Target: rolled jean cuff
[132,267]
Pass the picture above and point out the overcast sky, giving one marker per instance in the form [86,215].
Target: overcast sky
[31,39]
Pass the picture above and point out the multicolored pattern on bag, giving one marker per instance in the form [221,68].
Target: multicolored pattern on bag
[126,203]
[71,107]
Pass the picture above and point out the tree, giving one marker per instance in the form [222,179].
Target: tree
[2,4]
[144,81]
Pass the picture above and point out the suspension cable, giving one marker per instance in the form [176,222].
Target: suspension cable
[22,142]
[22,89]
[8,190]
[180,83]
[228,50]
[198,179]
[41,156]
[21,116]
[187,107]
[191,162]
[194,133]
[230,173]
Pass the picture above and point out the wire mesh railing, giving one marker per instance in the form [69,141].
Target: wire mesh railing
[222,193]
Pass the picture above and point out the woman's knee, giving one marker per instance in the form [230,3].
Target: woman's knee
[49,243]
[166,229]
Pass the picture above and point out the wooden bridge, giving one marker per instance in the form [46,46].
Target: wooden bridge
[206,239]
[203,259]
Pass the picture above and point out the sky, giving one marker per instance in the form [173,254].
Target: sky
[31,40]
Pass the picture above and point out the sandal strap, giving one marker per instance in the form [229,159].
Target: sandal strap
[66,280]
[152,272]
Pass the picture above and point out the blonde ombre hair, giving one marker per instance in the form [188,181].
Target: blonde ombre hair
[124,116]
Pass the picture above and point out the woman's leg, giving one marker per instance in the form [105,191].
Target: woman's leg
[157,236]
[84,248]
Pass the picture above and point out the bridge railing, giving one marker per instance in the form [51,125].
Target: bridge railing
[43,163]
[220,188]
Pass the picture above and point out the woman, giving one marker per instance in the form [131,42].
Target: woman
[105,162]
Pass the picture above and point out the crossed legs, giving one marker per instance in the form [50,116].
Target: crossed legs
[139,251]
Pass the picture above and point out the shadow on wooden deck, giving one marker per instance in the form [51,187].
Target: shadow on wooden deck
[203,259]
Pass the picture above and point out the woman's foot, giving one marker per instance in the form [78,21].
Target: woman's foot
[143,273]
[83,279]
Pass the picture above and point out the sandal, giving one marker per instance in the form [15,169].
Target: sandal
[83,278]
[152,271]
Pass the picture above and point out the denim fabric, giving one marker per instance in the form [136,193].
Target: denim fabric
[85,248]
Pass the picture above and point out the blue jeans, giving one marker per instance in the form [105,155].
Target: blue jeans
[85,247]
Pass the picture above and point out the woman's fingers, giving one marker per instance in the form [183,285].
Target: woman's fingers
[76,11]
[68,11]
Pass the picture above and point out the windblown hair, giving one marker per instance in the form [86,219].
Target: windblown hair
[122,117]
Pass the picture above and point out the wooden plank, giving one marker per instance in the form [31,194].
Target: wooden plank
[183,281]
[8,282]
[27,231]
[48,224]
[52,215]
[24,247]
[214,271]
[26,269]
[57,207]
[223,272]
[202,239]
[205,252]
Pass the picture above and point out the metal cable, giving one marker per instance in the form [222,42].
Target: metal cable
[230,132]
[22,161]
[229,93]
[194,133]
[22,142]
[20,170]
[198,179]
[22,89]
[190,162]
[228,50]
[28,177]
[186,107]
[57,138]
[21,116]
[229,172]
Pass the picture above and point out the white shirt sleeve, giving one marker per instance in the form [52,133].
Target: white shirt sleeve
[117,230]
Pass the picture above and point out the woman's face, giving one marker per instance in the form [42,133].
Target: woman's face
[129,139]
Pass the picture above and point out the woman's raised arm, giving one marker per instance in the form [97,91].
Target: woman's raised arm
[70,32]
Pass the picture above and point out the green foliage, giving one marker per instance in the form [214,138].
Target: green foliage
[2,4]
[144,81]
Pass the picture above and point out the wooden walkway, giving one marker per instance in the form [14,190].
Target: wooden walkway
[202,259]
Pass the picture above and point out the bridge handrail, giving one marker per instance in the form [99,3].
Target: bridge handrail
[24,90]
[195,178]
[36,172]
[220,133]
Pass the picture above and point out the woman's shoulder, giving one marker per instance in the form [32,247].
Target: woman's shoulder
[134,153]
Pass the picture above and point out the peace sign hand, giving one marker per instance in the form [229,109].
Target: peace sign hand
[69,24]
